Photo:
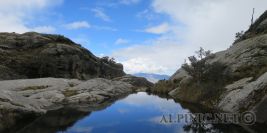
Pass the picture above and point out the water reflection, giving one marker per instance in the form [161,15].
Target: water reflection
[136,113]
[55,121]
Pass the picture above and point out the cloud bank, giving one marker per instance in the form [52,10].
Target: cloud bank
[77,25]
[15,13]
[211,24]
[159,29]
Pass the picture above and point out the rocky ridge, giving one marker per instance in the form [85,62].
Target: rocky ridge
[245,63]
[35,55]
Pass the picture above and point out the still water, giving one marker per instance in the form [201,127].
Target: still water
[137,113]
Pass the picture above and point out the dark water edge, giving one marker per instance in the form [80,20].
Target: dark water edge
[96,118]
[20,119]
[21,122]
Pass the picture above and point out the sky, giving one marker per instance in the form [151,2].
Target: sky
[148,36]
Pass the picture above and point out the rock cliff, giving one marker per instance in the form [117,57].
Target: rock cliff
[245,64]
[34,55]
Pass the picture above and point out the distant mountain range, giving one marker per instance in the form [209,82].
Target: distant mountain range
[152,77]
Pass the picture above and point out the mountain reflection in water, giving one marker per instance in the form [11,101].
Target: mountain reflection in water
[139,112]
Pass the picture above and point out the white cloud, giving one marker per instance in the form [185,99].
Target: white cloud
[129,2]
[162,57]
[77,25]
[159,29]
[211,24]
[146,14]
[117,3]
[153,102]
[145,65]
[44,29]
[100,13]
[121,41]
[104,28]
[14,14]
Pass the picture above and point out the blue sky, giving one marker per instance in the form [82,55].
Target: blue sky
[150,36]
[119,26]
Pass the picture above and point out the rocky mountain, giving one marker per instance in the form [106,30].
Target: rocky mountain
[152,77]
[34,55]
[241,83]
[80,80]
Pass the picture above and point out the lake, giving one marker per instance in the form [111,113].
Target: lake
[136,113]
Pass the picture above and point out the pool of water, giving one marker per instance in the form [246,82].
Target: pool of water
[137,113]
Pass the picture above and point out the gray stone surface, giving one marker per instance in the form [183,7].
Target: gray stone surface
[246,97]
[238,84]
[140,82]
[179,74]
[40,95]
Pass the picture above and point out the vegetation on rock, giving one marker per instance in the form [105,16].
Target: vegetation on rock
[163,87]
[198,66]
[259,27]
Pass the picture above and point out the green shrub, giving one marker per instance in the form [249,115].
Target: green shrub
[208,81]
[198,65]
[164,87]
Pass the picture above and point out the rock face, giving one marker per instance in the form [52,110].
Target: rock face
[34,55]
[179,74]
[246,64]
[20,98]
[40,95]
[139,82]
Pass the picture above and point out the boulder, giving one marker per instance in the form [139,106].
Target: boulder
[179,74]
[139,82]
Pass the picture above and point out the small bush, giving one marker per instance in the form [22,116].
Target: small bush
[239,35]
[107,59]
[198,65]
[208,79]
[164,87]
